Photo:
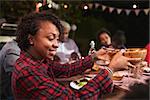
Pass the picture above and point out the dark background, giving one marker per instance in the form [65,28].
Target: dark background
[88,22]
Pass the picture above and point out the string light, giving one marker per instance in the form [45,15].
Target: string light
[85,7]
[66,6]
[73,27]
[134,6]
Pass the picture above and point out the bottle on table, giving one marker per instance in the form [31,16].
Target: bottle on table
[92,48]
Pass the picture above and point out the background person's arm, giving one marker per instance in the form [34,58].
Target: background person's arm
[10,59]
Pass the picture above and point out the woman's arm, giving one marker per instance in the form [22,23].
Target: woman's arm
[67,70]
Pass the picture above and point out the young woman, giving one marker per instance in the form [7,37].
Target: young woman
[104,39]
[34,74]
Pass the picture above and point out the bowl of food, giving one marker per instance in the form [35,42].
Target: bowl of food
[116,76]
[136,53]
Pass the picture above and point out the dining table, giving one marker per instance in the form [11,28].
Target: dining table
[120,87]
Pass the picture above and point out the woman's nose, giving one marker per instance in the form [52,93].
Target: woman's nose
[55,44]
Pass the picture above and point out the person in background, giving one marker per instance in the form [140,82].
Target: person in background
[104,38]
[67,45]
[8,56]
[148,53]
[35,73]
[119,40]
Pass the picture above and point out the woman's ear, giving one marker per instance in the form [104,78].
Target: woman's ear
[30,38]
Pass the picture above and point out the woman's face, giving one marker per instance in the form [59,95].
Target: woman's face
[45,42]
[105,39]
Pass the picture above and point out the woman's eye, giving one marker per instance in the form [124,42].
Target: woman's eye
[50,39]
[58,39]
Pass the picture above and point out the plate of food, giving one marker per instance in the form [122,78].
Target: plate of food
[79,83]
[136,53]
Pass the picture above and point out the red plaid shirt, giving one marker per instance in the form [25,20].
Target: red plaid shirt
[35,79]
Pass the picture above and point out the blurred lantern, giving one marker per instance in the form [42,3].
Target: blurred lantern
[74,27]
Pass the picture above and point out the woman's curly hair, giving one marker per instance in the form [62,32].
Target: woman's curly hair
[30,24]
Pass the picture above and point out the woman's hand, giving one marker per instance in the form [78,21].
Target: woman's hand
[102,54]
[119,62]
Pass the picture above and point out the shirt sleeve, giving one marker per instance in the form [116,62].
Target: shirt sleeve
[99,85]
[34,84]
[10,59]
[37,85]
[68,70]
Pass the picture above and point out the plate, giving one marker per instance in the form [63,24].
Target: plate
[123,73]
[119,81]
[147,74]
[75,86]
[146,69]
[79,83]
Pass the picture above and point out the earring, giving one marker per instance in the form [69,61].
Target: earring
[31,43]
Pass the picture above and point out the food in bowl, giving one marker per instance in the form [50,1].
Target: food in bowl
[136,53]
[117,77]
